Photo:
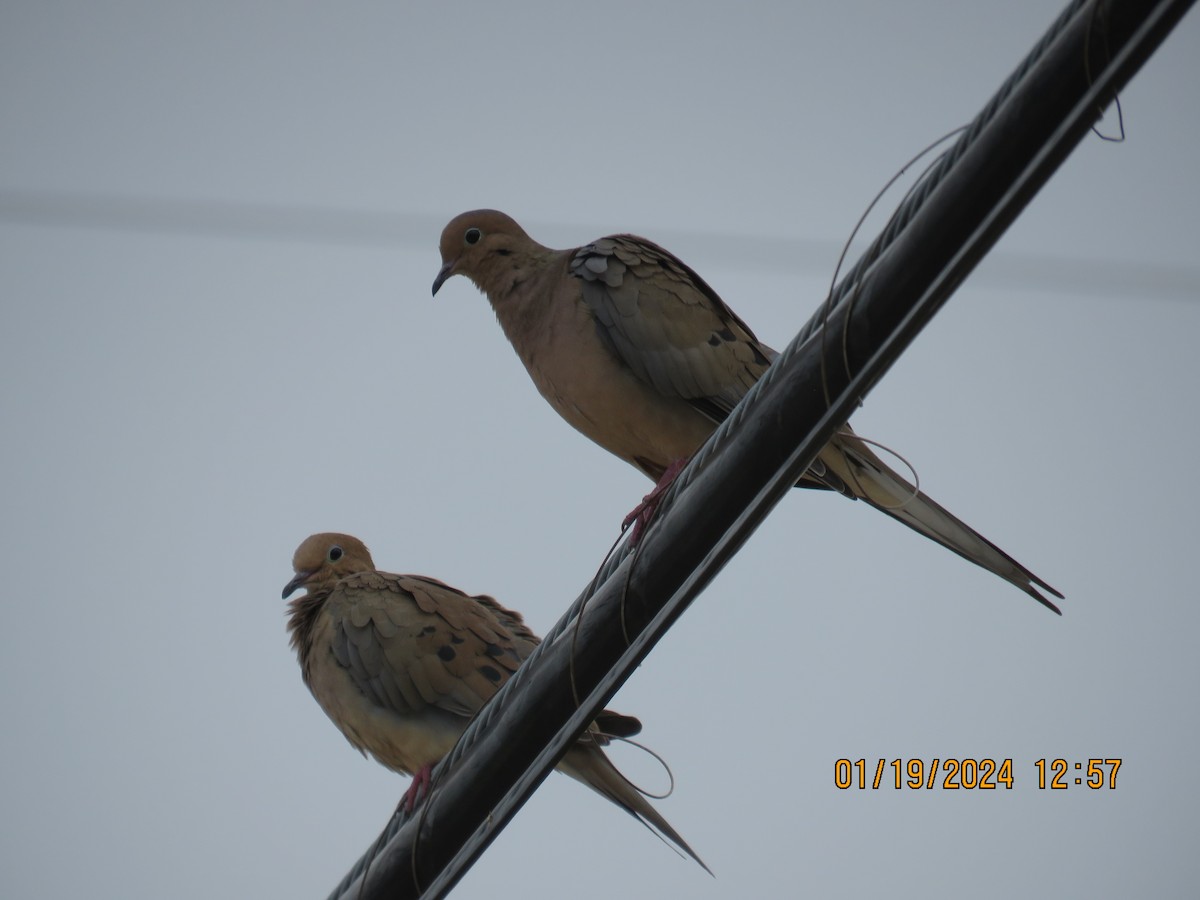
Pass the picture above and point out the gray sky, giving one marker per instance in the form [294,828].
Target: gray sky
[182,405]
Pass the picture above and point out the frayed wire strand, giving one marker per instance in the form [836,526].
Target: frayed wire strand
[864,264]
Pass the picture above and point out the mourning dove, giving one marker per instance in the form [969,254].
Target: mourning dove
[401,663]
[636,351]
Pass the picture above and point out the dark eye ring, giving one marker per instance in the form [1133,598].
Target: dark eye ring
[335,553]
[473,236]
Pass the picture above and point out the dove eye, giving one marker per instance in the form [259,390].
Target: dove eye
[335,553]
[473,236]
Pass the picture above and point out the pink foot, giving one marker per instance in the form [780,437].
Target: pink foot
[644,512]
[420,782]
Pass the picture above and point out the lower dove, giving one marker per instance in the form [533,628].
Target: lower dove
[635,350]
[401,663]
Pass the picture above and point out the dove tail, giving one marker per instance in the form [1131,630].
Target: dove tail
[587,763]
[868,478]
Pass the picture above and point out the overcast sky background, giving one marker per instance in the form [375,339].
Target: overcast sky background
[186,396]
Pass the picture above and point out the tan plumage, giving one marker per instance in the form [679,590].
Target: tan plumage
[636,351]
[401,663]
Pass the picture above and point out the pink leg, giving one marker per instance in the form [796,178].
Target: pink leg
[645,510]
[420,782]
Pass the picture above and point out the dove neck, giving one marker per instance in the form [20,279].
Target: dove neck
[522,295]
[302,621]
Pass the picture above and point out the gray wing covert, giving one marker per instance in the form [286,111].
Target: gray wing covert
[667,325]
[410,643]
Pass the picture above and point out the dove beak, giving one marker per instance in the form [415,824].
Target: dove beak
[298,581]
[446,272]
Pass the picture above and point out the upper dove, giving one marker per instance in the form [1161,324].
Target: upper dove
[636,351]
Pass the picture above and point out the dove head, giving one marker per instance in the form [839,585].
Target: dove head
[488,247]
[323,559]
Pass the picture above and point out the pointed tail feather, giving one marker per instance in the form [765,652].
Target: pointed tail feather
[865,476]
[587,763]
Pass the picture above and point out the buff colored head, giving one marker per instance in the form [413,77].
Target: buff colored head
[323,559]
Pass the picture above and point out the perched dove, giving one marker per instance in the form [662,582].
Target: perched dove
[401,663]
[631,347]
